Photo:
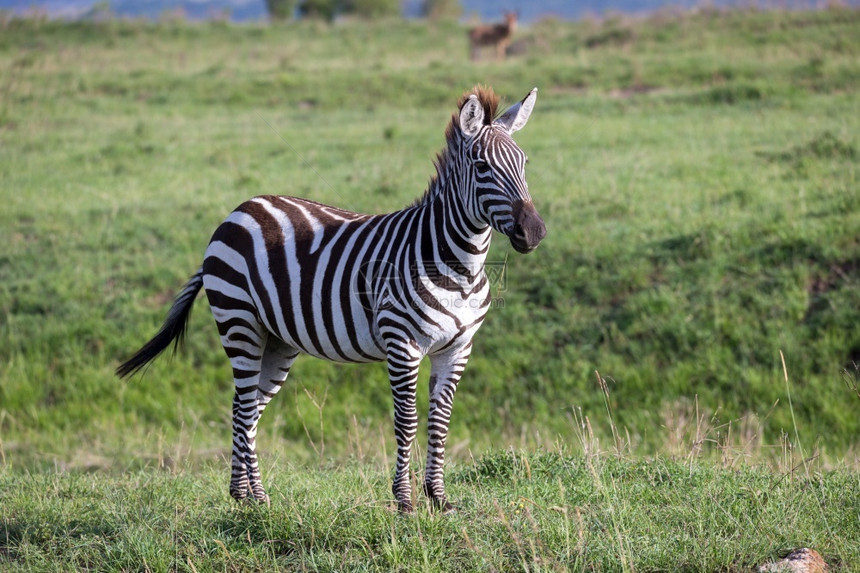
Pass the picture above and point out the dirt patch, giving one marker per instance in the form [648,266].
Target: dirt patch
[837,275]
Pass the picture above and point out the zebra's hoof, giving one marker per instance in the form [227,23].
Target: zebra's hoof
[405,507]
[240,495]
[442,505]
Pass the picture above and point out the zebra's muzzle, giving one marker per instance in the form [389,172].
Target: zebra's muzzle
[528,230]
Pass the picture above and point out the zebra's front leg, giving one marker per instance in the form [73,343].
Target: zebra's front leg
[445,373]
[403,376]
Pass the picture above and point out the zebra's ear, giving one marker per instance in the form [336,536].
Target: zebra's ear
[471,116]
[518,114]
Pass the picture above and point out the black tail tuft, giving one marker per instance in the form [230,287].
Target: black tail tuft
[173,329]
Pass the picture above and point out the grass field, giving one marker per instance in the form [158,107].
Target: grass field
[538,512]
[698,176]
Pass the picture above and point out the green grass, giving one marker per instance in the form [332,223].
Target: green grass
[698,176]
[543,511]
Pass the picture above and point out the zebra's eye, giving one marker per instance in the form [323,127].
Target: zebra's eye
[482,165]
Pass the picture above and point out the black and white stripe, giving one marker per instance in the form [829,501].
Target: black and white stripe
[288,276]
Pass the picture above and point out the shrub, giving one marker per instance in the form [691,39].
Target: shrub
[319,9]
[442,9]
[281,9]
[373,8]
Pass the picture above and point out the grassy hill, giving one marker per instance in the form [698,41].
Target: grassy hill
[698,176]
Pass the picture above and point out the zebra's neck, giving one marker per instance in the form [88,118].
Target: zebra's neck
[463,244]
[461,240]
[450,168]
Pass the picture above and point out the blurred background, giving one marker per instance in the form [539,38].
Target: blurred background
[696,165]
[245,10]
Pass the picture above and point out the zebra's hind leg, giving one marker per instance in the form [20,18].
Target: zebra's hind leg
[245,378]
[278,358]
[260,366]
[445,372]
[253,394]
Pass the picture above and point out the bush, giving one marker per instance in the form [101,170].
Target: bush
[319,9]
[442,9]
[281,9]
[373,8]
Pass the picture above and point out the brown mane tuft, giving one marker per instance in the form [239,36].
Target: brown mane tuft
[490,101]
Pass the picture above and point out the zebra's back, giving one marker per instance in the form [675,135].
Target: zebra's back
[287,264]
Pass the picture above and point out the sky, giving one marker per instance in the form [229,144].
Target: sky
[244,10]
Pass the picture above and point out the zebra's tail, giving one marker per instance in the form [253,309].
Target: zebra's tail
[173,329]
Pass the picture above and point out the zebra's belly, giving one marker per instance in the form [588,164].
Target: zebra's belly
[358,343]
[340,338]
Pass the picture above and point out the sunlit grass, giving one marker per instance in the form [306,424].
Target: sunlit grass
[578,509]
[698,176]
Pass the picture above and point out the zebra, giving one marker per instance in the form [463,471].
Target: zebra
[286,276]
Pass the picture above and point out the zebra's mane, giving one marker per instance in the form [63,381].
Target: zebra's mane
[490,101]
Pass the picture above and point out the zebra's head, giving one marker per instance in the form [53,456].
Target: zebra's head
[499,196]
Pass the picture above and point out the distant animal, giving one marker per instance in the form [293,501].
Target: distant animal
[496,35]
[287,276]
